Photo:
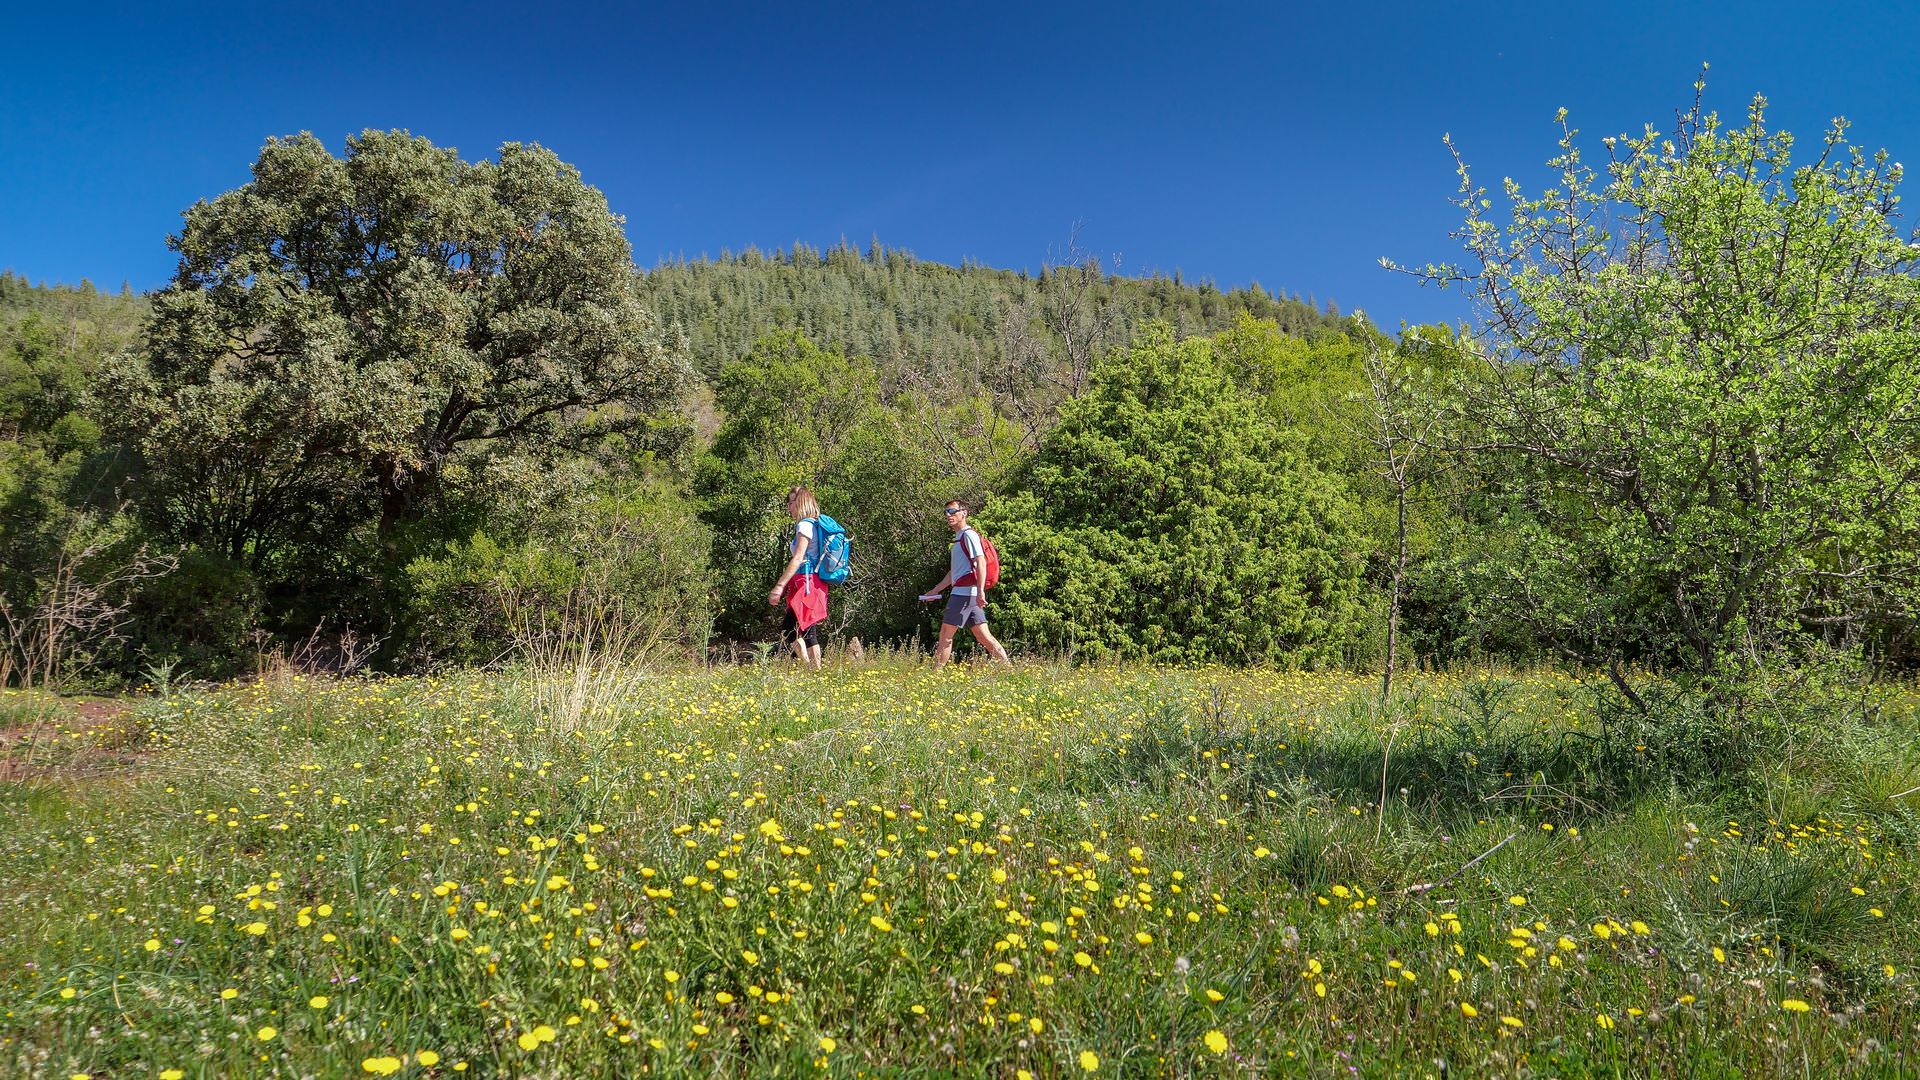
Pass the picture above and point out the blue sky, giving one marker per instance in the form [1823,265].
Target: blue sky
[1290,146]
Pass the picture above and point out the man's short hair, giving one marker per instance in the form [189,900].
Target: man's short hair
[961,503]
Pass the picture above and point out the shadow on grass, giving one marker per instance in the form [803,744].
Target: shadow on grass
[1476,750]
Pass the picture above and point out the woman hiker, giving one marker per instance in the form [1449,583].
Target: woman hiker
[800,587]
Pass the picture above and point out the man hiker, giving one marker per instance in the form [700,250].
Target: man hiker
[967,602]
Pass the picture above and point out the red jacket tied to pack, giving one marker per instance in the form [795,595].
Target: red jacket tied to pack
[807,599]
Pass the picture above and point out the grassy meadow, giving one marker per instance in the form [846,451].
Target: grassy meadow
[885,871]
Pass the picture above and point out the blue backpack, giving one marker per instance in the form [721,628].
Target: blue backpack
[835,551]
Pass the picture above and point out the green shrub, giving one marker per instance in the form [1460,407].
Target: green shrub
[637,556]
[1168,516]
[202,618]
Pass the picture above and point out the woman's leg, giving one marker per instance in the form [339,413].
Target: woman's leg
[795,638]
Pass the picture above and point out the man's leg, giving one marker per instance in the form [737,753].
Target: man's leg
[988,642]
[944,650]
[813,655]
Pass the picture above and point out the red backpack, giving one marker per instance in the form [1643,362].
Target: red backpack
[989,555]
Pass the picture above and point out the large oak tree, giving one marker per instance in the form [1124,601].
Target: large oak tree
[340,327]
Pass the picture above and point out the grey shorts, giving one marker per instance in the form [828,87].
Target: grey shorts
[964,611]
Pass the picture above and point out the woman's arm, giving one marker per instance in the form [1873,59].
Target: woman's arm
[793,567]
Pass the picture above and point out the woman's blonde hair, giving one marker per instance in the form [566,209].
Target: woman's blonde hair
[802,504]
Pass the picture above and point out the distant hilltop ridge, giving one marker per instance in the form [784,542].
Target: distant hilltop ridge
[896,308]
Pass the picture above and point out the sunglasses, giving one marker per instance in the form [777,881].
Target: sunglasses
[952,510]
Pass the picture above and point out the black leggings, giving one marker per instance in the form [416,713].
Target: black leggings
[790,629]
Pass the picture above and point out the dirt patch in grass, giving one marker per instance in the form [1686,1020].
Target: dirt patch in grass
[60,739]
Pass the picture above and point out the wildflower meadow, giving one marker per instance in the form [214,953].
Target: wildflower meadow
[887,871]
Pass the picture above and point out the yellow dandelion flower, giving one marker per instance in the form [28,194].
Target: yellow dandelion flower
[1089,1060]
[1216,1042]
[1795,1005]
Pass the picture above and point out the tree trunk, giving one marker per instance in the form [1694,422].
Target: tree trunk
[1399,579]
[396,498]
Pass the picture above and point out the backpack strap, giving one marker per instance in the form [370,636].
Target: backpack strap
[973,568]
[809,563]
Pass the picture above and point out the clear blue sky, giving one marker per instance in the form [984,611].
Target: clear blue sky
[1238,143]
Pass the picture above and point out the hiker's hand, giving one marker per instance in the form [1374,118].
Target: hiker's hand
[773,597]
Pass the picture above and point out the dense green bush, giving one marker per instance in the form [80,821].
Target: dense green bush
[634,561]
[1168,516]
[202,617]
